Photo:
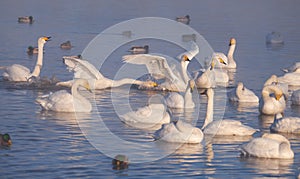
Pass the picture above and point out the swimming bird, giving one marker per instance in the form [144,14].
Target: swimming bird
[273,80]
[268,146]
[63,101]
[25,19]
[150,116]
[242,94]
[295,98]
[274,38]
[66,45]
[272,101]
[231,64]
[176,100]
[18,72]
[286,124]
[179,132]
[85,70]
[5,140]
[184,19]
[223,127]
[292,68]
[292,78]
[139,49]
[32,50]
[158,67]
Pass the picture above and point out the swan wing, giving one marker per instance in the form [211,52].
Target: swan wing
[16,72]
[194,50]
[157,66]
[261,147]
[82,68]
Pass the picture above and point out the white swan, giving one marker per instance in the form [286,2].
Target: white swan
[292,78]
[268,146]
[175,100]
[83,69]
[222,127]
[272,101]
[242,94]
[292,68]
[63,101]
[295,98]
[273,80]
[286,124]
[150,116]
[158,67]
[179,132]
[231,62]
[18,72]
[210,78]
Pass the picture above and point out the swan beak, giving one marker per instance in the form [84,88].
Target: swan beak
[185,58]
[88,87]
[222,61]
[154,84]
[278,96]
[47,38]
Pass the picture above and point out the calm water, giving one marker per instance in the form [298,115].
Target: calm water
[51,145]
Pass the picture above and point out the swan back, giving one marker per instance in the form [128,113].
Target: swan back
[242,94]
[286,125]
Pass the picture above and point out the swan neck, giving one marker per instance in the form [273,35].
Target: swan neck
[209,109]
[184,66]
[231,51]
[76,94]
[39,63]
[125,81]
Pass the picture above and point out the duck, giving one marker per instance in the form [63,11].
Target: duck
[179,132]
[272,101]
[183,19]
[285,124]
[242,94]
[66,45]
[292,78]
[5,140]
[120,162]
[295,98]
[25,19]
[273,80]
[225,127]
[159,68]
[176,100]
[268,146]
[19,73]
[85,70]
[32,50]
[139,49]
[64,101]
[274,38]
[291,68]
[231,64]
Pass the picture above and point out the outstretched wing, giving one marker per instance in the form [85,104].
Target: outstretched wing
[194,50]
[82,68]
[157,66]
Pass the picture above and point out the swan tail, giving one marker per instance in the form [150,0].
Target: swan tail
[285,70]
[41,102]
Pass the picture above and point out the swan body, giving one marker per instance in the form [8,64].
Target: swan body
[231,62]
[274,38]
[25,19]
[84,70]
[272,101]
[184,19]
[222,127]
[63,101]
[175,100]
[242,94]
[292,79]
[139,49]
[19,73]
[273,80]
[159,68]
[268,146]
[179,132]
[66,45]
[286,124]
[296,98]
[292,68]
[147,116]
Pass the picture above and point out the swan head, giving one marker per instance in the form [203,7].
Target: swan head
[278,95]
[150,84]
[43,40]
[5,140]
[240,85]
[232,41]
[185,58]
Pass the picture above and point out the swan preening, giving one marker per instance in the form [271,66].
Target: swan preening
[18,72]
[268,146]
[292,78]
[286,124]
[63,101]
[158,67]
[242,94]
[83,69]
[272,101]
[273,80]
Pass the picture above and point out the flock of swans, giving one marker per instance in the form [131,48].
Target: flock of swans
[181,85]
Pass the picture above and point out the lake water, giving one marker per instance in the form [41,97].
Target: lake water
[55,145]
